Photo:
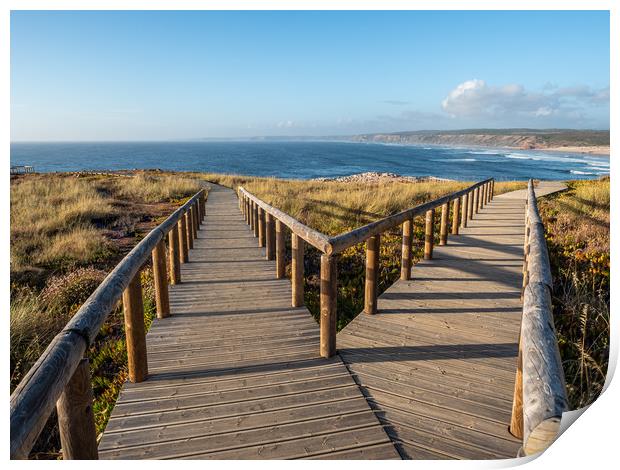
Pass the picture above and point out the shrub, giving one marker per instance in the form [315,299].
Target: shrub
[69,291]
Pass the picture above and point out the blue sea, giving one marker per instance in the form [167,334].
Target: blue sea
[309,159]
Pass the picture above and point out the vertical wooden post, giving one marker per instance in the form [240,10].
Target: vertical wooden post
[455,216]
[160,278]
[183,240]
[373,245]
[76,420]
[251,215]
[280,248]
[189,231]
[489,191]
[443,232]
[464,211]
[196,219]
[297,270]
[470,205]
[134,330]
[261,227]
[270,237]
[329,292]
[256,223]
[484,195]
[492,189]
[174,256]
[481,198]
[516,419]
[405,264]
[429,234]
[476,198]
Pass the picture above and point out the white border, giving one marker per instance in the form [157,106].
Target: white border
[588,443]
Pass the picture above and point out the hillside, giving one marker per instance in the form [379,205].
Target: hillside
[569,140]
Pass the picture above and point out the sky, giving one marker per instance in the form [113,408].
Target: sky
[106,75]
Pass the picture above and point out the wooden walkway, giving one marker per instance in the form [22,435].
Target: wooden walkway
[234,373]
[437,362]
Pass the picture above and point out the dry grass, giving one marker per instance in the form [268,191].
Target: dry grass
[155,188]
[62,228]
[577,230]
[336,207]
[53,221]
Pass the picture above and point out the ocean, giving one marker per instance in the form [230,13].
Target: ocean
[309,159]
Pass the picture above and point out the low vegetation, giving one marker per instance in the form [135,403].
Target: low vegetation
[67,232]
[577,232]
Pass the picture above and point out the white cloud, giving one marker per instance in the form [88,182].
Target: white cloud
[475,99]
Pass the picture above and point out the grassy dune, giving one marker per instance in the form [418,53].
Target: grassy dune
[67,233]
[577,232]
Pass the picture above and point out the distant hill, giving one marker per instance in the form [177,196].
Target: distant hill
[588,141]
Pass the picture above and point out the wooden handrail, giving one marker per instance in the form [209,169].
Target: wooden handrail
[341,242]
[540,389]
[330,248]
[313,237]
[34,398]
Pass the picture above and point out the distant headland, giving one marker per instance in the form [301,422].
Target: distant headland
[566,140]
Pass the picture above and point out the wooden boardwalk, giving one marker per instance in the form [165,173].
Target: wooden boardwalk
[437,362]
[234,372]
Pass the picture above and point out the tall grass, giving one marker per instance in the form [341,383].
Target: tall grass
[53,221]
[64,237]
[577,231]
[155,188]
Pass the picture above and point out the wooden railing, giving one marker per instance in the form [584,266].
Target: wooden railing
[540,389]
[268,224]
[61,376]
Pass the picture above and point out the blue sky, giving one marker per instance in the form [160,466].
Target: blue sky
[175,75]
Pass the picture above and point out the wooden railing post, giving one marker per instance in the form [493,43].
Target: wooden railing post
[429,234]
[160,278]
[256,223]
[174,256]
[484,195]
[183,240]
[443,231]
[481,198]
[76,420]
[455,216]
[280,250]
[405,264]
[492,189]
[134,330]
[196,219]
[297,270]
[373,245]
[476,199]
[329,291]
[189,230]
[470,205]
[516,419]
[464,210]
[270,237]
[261,227]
